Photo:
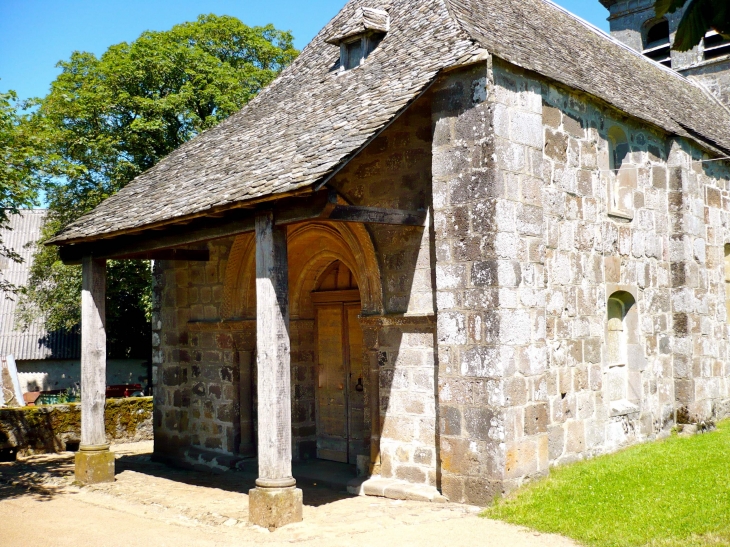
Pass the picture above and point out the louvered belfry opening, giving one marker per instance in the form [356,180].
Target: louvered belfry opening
[657,45]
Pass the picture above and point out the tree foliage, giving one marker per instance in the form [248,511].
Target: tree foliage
[699,17]
[19,171]
[108,119]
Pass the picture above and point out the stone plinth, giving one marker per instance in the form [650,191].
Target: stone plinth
[94,465]
[274,507]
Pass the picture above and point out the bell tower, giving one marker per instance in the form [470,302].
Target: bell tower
[634,22]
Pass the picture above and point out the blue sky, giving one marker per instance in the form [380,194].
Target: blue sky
[36,34]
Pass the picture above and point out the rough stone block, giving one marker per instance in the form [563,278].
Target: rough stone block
[536,419]
[94,466]
[556,442]
[274,507]
[576,437]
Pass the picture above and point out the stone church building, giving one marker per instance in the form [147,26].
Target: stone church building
[455,243]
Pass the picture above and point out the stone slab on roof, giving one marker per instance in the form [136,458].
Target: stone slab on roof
[364,20]
[542,37]
[313,117]
[297,130]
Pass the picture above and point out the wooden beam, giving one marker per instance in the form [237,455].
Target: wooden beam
[239,221]
[195,255]
[374,215]
[320,206]
[175,236]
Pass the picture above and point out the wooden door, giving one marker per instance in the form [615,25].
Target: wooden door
[339,403]
[356,397]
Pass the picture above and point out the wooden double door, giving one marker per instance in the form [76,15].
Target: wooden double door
[339,400]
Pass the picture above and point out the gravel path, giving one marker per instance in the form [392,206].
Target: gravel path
[153,504]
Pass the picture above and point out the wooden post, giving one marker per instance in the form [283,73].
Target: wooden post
[275,501]
[94,461]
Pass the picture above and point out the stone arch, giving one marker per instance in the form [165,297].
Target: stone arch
[623,386]
[312,248]
[621,325]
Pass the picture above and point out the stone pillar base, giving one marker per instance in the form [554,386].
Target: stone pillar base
[94,464]
[274,507]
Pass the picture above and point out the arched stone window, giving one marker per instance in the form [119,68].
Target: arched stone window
[624,355]
[623,175]
[619,305]
[656,42]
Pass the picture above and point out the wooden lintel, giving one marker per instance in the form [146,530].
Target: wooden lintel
[239,221]
[195,255]
[161,244]
[374,215]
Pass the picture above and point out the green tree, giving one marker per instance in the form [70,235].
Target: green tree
[19,171]
[108,119]
[699,17]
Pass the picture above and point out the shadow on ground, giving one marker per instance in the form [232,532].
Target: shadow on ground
[41,476]
[321,482]
[48,475]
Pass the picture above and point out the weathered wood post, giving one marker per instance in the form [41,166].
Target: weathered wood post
[94,460]
[275,501]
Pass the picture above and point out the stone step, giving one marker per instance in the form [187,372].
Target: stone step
[394,489]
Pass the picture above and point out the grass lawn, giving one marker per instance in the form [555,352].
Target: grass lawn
[670,493]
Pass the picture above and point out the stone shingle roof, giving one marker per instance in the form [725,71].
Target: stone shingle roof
[312,118]
[363,20]
[295,131]
[540,36]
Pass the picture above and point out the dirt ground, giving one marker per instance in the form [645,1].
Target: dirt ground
[152,504]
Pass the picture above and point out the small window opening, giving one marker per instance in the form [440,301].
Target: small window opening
[620,334]
[619,147]
[656,43]
[354,52]
[619,304]
[716,45]
[623,180]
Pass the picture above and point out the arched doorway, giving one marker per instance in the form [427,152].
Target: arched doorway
[339,387]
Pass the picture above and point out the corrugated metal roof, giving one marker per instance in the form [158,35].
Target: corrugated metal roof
[35,342]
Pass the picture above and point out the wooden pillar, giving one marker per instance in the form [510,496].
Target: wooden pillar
[275,501]
[94,461]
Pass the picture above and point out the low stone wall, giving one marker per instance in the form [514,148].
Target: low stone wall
[54,428]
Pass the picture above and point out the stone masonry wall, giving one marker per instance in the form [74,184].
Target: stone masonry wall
[468,218]
[394,171]
[715,76]
[197,360]
[566,399]
[55,428]
[529,250]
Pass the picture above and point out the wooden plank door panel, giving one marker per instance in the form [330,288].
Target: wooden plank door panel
[331,383]
[356,407]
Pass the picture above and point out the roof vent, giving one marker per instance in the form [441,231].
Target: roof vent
[359,36]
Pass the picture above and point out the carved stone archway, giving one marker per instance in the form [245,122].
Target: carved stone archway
[312,247]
